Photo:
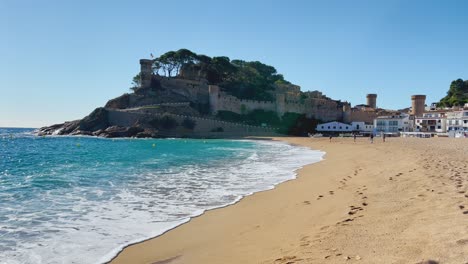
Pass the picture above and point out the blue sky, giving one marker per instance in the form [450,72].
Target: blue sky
[61,59]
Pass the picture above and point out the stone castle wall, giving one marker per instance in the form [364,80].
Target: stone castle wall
[190,89]
[230,103]
[204,127]
[323,109]
[200,91]
[363,116]
[295,107]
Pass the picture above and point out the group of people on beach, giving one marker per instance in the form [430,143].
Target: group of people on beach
[371,138]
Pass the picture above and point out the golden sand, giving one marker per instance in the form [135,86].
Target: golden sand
[402,201]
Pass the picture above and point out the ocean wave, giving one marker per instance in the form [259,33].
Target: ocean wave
[82,205]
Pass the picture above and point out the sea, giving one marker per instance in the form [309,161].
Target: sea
[67,199]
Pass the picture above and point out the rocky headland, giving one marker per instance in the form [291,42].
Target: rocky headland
[184,94]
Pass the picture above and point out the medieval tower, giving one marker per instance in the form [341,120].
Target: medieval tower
[145,72]
[418,104]
[372,100]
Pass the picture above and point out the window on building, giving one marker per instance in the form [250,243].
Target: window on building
[340,127]
[438,127]
[328,127]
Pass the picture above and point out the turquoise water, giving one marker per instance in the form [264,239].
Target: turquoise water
[81,199]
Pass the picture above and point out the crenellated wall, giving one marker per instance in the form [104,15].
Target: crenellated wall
[204,127]
[286,99]
[240,106]
[323,109]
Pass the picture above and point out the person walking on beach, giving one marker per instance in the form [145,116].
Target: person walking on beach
[354,137]
[383,137]
[331,137]
[372,138]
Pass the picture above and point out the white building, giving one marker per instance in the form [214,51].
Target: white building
[457,121]
[434,121]
[393,124]
[354,127]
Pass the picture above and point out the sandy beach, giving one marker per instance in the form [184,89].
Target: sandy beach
[402,201]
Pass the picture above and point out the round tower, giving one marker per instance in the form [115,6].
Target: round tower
[346,112]
[280,104]
[372,100]
[418,104]
[145,72]
[213,91]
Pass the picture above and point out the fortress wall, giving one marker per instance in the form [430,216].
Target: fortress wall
[328,114]
[121,118]
[204,126]
[230,103]
[188,88]
[323,109]
[363,116]
[295,107]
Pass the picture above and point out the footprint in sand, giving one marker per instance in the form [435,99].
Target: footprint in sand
[306,202]
[462,241]
[428,262]
[287,259]
[331,192]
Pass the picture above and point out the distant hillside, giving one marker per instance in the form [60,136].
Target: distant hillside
[243,79]
[456,95]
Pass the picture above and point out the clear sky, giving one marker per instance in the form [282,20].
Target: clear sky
[61,59]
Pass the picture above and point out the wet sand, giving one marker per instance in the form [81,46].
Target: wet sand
[402,201]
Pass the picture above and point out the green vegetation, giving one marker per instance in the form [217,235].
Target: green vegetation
[243,79]
[289,124]
[251,80]
[136,82]
[188,123]
[254,118]
[218,129]
[165,122]
[456,95]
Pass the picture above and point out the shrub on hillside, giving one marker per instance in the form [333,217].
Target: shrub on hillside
[188,123]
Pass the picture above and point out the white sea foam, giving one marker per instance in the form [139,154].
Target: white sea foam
[91,225]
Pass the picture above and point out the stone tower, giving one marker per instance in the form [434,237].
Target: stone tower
[346,112]
[418,104]
[213,91]
[146,72]
[280,104]
[372,100]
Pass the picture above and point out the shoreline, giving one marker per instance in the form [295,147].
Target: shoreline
[364,202]
[192,218]
[110,257]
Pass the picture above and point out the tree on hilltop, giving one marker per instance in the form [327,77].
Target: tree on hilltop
[243,79]
[456,95]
